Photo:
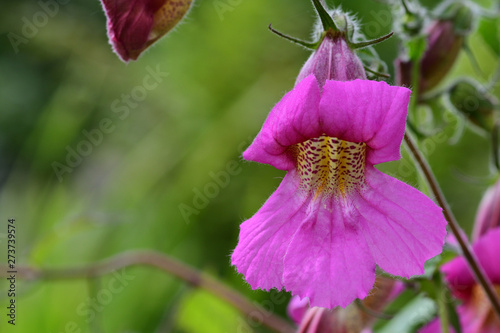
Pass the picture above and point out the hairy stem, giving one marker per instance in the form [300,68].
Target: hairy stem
[165,263]
[468,253]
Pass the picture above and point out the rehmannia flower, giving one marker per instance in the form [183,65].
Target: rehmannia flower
[334,216]
[133,25]
[475,313]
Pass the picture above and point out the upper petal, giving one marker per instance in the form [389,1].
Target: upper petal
[355,111]
[402,227]
[133,25]
[366,111]
[129,25]
[265,237]
[294,119]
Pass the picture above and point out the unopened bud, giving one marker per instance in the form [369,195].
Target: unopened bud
[134,25]
[474,103]
[445,39]
[488,214]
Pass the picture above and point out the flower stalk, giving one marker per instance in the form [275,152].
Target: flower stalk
[469,255]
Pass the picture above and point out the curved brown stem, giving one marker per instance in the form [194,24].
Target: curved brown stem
[468,253]
[165,263]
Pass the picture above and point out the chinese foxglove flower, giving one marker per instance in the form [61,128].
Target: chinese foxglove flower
[133,25]
[335,216]
[475,313]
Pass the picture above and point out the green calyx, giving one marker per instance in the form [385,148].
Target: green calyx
[334,25]
[461,15]
[412,22]
[324,16]
[307,45]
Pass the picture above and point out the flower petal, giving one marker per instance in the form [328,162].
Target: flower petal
[458,273]
[402,227]
[366,111]
[264,238]
[294,119]
[129,25]
[327,260]
[133,25]
[355,111]
[297,308]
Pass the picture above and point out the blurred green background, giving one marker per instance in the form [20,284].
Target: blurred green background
[225,72]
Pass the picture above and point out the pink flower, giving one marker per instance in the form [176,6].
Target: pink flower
[475,314]
[133,25]
[335,216]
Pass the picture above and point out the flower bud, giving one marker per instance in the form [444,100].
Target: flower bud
[445,39]
[488,214]
[134,25]
[474,103]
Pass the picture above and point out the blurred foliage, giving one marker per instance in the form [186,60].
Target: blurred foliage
[225,72]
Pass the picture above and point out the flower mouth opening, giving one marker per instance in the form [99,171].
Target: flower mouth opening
[330,166]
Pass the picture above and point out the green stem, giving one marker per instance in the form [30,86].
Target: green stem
[325,18]
[163,262]
[442,308]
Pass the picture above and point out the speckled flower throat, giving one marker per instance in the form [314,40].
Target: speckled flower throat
[331,166]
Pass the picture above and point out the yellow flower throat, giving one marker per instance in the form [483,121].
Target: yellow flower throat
[330,165]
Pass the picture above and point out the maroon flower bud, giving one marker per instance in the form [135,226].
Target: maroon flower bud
[443,48]
[133,25]
[445,39]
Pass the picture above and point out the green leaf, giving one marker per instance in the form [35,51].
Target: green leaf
[488,29]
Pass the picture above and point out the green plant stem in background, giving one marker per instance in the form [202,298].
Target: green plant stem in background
[165,263]
[468,253]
